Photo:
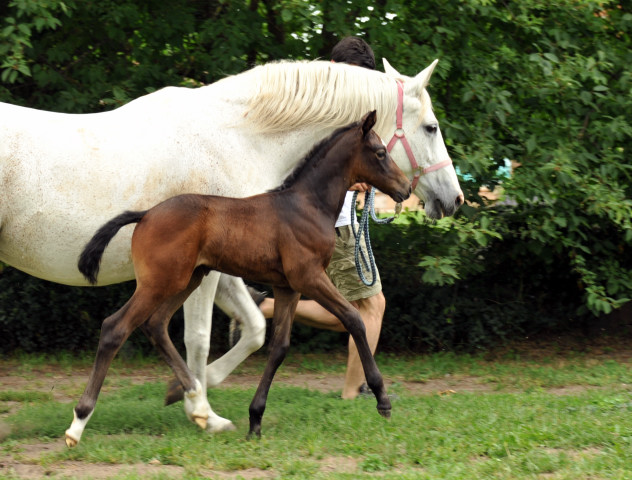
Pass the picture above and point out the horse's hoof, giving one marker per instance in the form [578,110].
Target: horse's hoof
[385,412]
[201,422]
[71,442]
[175,392]
[225,427]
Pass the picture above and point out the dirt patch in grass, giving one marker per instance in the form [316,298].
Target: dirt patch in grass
[80,470]
[27,466]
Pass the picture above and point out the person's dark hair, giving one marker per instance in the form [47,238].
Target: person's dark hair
[355,51]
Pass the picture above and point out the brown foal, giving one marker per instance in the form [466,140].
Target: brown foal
[284,238]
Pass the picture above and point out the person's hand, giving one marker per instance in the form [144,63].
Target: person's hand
[360,187]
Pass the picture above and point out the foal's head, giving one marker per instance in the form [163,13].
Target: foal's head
[373,164]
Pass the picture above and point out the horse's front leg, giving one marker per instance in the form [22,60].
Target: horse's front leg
[285,301]
[198,316]
[325,293]
[233,298]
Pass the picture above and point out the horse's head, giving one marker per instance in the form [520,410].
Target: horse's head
[418,147]
[375,166]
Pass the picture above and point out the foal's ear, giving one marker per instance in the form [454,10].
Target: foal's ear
[368,121]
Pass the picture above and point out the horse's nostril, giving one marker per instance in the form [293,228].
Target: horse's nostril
[459,200]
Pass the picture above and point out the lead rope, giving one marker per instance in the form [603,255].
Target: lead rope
[363,229]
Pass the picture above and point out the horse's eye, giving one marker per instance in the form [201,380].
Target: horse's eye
[381,154]
[431,129]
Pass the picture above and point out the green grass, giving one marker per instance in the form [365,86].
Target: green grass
[516,430]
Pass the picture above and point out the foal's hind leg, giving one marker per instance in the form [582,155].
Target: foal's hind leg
[114,331]
[196,404]
[285,301]
[323,291]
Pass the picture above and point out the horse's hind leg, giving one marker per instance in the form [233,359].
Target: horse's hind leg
[285,301]
[233,298]
[114,331]
[196,404]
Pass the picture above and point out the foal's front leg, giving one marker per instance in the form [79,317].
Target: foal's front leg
[285,301]
[325,293]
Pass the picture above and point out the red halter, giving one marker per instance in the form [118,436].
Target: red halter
[400,135]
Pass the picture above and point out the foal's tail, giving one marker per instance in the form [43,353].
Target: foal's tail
[90,258]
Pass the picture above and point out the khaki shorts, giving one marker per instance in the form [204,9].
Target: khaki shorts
[342,269]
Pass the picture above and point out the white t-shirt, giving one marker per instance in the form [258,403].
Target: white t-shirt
[345,214]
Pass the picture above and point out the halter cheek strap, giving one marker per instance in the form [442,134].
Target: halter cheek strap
[401,136]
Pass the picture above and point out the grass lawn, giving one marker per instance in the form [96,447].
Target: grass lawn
[514,416]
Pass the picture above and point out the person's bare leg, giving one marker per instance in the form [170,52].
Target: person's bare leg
[372,312]
[310,313]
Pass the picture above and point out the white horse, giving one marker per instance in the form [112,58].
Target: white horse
[63,175]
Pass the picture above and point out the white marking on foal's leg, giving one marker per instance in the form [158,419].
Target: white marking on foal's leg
[73,434]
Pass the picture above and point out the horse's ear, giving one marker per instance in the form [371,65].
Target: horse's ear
[421,80]
[390,71]
[368,121]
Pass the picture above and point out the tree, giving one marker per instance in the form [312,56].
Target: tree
[544,84]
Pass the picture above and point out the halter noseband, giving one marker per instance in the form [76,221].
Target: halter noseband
[400,135]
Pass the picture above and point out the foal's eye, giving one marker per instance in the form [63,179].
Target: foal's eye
[432,128]
[380,154]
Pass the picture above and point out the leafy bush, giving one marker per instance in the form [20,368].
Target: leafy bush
[495,288]
[41,316]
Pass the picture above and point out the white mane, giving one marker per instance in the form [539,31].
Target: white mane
[291,94]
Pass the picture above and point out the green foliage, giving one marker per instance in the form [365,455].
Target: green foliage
[468,291]
[26,19]
[545,84]
[45,317]
[41,316]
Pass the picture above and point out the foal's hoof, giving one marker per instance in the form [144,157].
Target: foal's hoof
[256,295]
[71,442]
[253,435]
[385,412]
[175,392]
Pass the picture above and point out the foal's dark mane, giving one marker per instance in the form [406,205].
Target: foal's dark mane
[317,152]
